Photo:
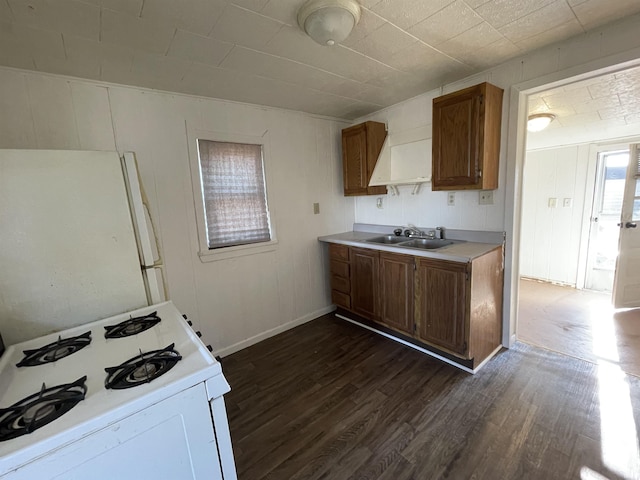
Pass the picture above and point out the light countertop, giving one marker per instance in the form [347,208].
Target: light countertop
[457,252]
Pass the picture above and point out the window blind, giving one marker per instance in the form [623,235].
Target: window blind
[233,187]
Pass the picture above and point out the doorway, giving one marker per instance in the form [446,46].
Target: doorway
[572,194]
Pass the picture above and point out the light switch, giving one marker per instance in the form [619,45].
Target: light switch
[379,203]
[553,202]
[316,208]
[566,202]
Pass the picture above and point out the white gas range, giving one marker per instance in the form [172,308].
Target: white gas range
[156,429]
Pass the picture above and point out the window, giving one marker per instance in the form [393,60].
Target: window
[234,193]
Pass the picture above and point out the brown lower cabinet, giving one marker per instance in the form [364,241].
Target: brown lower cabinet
[364,282]
[340,275]
[455,307]
[396,291]
[442,304]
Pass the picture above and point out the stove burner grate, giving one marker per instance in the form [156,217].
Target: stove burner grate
[132,326]
[142,368]
[54,351]
[39,409]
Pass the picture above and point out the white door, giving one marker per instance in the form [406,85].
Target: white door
[604,233]
[626,287]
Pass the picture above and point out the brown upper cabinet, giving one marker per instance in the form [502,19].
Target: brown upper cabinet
[466,139]
[361,146]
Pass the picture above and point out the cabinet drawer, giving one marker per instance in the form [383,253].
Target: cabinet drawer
[340,284]
[340,252]
[340,269]
[340,299]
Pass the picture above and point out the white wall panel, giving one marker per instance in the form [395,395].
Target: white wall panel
[93,117]
[16,120]
[54,118]
[551,236]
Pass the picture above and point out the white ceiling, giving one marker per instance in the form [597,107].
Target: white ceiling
[253,51]
[600,108]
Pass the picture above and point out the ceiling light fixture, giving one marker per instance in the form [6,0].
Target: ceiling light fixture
[539,121]
[329,22]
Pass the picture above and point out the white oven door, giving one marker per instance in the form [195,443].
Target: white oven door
[173,439]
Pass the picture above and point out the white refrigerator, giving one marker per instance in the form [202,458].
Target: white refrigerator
[76,242]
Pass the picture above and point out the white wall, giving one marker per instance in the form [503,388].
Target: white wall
[551,236]
[604,49]
[236,301]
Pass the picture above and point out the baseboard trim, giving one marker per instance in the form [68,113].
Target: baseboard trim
[416,347]
[491,355]
[236,347]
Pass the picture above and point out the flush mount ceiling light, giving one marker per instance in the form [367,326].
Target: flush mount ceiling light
[539,121]
[329,22]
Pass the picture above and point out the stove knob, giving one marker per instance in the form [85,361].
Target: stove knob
[199,333]
[210,348]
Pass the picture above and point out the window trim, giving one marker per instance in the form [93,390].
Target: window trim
[211,255]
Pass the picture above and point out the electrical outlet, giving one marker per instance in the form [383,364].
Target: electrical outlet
[316,208]
[451,198]
[566,202]
[485,197]
[379,203]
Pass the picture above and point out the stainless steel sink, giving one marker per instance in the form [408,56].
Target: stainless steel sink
[388,240]
[420,243]
[427,243]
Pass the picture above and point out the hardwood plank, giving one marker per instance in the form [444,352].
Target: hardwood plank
[329,400]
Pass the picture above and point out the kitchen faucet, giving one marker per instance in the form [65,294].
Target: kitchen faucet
[412,231]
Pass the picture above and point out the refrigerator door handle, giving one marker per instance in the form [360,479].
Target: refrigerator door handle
[143,235]
[154,285]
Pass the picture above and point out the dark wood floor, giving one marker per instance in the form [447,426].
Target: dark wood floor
[580,323]
[330,400]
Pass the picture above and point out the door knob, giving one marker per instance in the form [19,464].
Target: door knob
[630,225]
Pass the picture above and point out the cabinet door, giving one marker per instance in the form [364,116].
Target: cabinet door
[354,160]
[364,282]
[442,300]
[456,140]
[396,291]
